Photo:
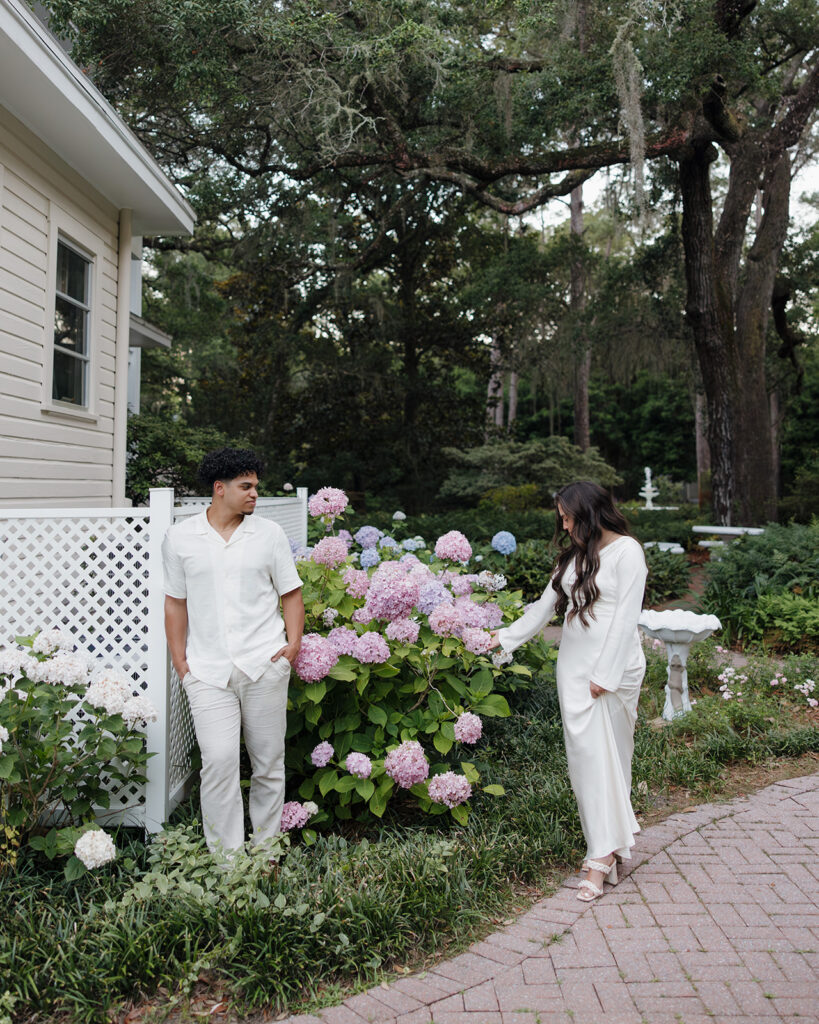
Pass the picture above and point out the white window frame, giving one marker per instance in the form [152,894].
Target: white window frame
[64,229]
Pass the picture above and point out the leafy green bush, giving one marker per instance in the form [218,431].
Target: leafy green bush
[668,576]
[786,622]
[479,524]
[530,568]
[163,452]
[803,500]
[512,497]
[548,463]
[782,560]
[672,525]
[358,694]
[68,735]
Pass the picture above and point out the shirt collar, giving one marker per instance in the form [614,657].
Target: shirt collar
[203,527]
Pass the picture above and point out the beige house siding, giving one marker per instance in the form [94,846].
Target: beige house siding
[51,455]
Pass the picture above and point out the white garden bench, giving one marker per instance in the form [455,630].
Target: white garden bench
[728,532]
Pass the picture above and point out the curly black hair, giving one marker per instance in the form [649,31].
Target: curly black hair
[228,463]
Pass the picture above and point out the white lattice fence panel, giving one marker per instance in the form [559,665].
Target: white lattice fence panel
[88,577]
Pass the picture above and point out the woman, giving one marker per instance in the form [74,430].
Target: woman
[598,586]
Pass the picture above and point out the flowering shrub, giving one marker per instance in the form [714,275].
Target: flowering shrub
[69,734]
[389,690]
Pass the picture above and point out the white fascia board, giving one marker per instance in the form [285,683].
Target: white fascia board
[43,88]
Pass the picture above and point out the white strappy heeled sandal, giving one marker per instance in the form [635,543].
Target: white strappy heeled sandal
[588,891]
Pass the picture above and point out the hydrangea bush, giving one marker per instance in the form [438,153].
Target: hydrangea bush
[395,671]
[70,732]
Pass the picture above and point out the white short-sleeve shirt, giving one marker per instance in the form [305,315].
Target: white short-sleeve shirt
[232,589]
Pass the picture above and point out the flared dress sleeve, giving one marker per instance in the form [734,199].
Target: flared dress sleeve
[531,622]
[622,639]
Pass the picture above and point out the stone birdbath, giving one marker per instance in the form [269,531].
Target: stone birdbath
[678,629]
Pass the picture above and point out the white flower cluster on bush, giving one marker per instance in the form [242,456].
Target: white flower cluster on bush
[95,848]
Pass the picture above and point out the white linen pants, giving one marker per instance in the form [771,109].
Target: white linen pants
[259,710]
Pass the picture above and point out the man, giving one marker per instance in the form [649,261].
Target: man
[231,645]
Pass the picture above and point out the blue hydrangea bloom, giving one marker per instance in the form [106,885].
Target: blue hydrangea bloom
[504,542]
[368,536]
[369,557]
[388,542]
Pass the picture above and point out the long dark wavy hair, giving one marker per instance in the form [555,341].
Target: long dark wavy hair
[593,511]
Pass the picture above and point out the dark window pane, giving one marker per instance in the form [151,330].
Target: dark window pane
[72,273]
[69,378]
[70,326]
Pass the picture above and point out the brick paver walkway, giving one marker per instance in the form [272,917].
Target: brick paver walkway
[716,922]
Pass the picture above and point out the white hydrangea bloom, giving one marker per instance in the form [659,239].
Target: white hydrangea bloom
[310,807]
[67,667]
[4,735]
[329,615]
[501,658]
[138,710]
[50,640]
[399,516]
[110,688]
[14,662]
[95,848]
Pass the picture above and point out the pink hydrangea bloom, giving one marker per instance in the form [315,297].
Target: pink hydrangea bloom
[458,583]
[479,641]
[453,546]
[407,764]
[404,630]
[468,728]
[294,815]
[372,649]
[327,501]
[449,789]
[322,753]
[315,659]
[392,595]
[363,615]
[330,551]
[445,620]
[357,582]
[343,639]
[359,765]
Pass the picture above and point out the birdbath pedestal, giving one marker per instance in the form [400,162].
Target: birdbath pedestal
[678,629]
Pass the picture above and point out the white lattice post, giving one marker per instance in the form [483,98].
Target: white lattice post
[158,734]
[301,494]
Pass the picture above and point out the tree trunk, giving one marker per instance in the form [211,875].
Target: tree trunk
[512,412]
[582,347]
[703,452]
[702,313]
[494,390]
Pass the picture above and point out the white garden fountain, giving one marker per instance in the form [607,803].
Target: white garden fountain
[678,629]
[648,490]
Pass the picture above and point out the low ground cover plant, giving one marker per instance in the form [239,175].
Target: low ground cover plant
[765,589]
[368,895]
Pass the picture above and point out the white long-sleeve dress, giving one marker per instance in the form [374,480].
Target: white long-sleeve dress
[599,732]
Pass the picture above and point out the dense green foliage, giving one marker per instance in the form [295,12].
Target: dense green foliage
[766,588]
[345,908]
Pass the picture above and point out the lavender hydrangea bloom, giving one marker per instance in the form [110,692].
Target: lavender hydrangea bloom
[431,595]
[322,753]
[388,542]
[369,558]
[368,536]
[504,542]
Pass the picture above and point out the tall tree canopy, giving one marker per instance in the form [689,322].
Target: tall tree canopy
[245,99]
